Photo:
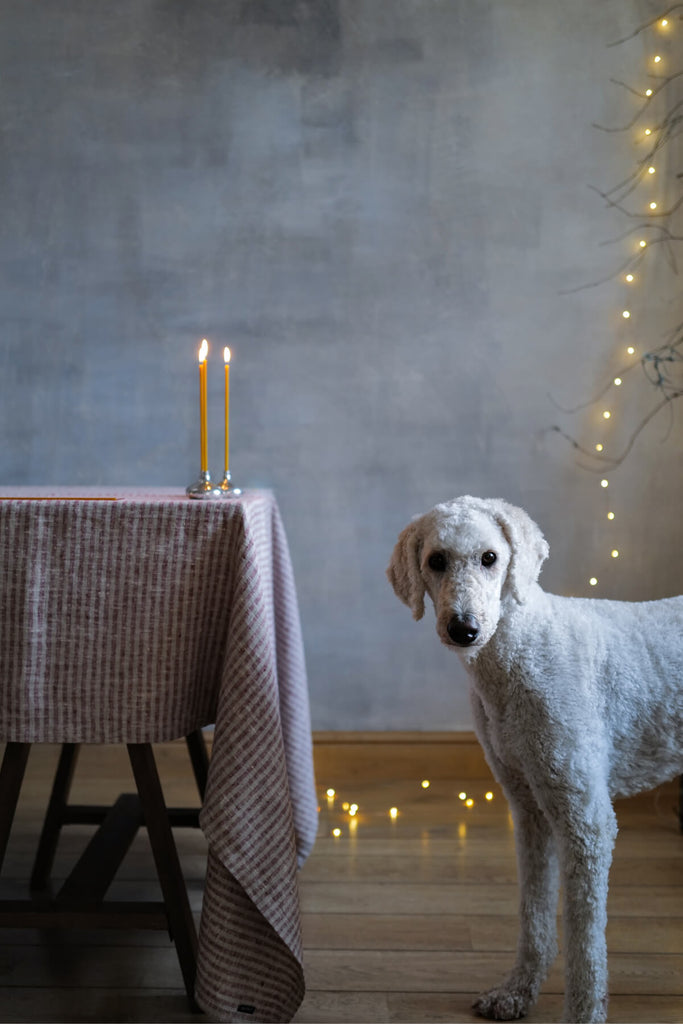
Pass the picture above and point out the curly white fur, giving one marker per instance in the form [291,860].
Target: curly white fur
[575,701]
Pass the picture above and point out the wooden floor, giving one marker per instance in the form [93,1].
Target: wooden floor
[405,919]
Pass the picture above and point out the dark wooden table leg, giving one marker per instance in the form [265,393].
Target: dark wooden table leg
[180,917]
[11,778]
[200,760]
[54,817]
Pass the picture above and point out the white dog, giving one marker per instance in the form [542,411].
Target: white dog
[575,701]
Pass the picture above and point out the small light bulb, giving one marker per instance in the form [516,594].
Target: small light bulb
[353,809]
[598,447]
[648,92]
[393,813]
[629,278]
[462,796]
[618,381]
[336,832]
[631,350]
[615,553]
[648,131]
[642,243]
[593,581]
[610,515]
[663,23]
[606,414]
[658,59]
[650,170]
[653,206]
[489,795]
[626,314]
[425,783]
[469,802]
[330,793]
[604,483]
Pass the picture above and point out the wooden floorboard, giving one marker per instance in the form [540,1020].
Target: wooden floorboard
[404,920]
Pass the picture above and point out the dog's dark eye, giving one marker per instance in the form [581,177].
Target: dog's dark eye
[437,562]
[488,558]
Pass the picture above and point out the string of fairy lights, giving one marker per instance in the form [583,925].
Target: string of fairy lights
[347,815]
[655,121]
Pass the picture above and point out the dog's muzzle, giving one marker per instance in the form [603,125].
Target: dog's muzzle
[464,630]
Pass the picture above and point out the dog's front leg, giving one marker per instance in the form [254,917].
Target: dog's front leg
[586,841]
[538,876]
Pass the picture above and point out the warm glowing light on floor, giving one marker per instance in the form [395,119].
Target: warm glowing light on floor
[598,447]
[489,795]
[606,414]
[330,793]
[626,314]
[615,553]
[610,515]
[604,483]
[469,802]
[631,351]
[462,795]
[336,832]
[353,809]
[425,783]
[393,813]
[593,581]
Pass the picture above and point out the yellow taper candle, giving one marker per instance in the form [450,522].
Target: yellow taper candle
[226,358]
[203,353]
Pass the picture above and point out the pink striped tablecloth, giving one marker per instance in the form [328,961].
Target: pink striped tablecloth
[142,619]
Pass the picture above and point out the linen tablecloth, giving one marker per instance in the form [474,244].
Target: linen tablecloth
[142,619]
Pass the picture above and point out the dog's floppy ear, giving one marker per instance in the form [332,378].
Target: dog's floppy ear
[404,569]
[528,546]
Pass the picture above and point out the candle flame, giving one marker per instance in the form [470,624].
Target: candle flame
[226,354]
[203,350]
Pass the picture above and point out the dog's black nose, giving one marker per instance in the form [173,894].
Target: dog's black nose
[463,631]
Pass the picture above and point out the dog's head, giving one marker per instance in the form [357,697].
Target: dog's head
[468,555]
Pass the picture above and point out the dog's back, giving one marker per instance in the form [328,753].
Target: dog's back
[619,666]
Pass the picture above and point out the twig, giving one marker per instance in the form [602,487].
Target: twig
[612,461]
[592,401]
[645,25]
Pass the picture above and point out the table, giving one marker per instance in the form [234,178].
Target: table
[141,619]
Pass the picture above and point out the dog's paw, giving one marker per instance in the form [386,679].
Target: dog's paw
[503,1004]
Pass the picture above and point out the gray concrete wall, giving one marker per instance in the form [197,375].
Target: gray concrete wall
[376,205]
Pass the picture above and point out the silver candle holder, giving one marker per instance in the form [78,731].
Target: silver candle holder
[226,488]
[202,488]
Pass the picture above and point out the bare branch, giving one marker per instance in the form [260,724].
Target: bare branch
[646,25]
[596,398]
[631,264]
[631,213]
[645,105]
[639,228]
[612,461]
